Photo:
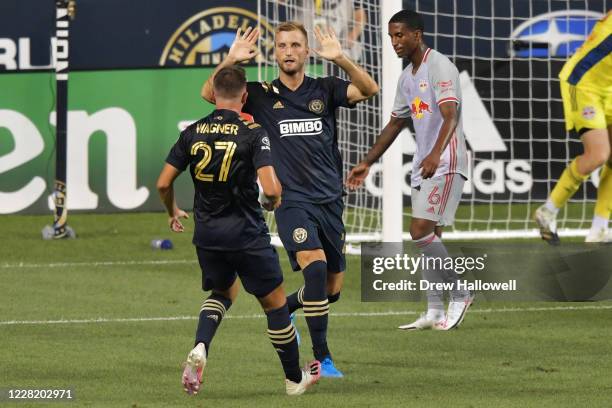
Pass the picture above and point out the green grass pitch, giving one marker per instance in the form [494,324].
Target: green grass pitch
[128,314]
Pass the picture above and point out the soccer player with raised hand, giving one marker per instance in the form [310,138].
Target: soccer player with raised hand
[299,114]
[225,155]
[428,91]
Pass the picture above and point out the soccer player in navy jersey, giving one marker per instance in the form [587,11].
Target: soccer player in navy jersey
[225,155]
[299,114]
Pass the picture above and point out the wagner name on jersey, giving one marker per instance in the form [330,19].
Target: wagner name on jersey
[418,96]
[223,152]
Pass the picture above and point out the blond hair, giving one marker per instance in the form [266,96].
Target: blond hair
[292,26]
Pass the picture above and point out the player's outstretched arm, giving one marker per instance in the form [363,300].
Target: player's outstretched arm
[271,187]
[358,174]
[362,84]
[165,187]
[243,49]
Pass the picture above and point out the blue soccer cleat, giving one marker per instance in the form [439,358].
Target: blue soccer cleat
[328,369]
[297,333]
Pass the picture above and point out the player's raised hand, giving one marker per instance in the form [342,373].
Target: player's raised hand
[175,223]
[329,46]
[244,46]
[357,176]
[429,165]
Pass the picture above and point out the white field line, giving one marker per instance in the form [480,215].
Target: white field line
[101,263]
[261,316]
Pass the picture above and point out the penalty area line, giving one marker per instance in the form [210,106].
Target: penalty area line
[261,316]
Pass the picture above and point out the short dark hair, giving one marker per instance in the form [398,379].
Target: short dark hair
[230,82]
[409,18]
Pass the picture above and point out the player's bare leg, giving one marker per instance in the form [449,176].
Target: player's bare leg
[275,299]
[211,315]
[335,280]
[596,145]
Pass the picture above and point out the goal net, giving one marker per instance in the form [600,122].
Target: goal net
[509,54]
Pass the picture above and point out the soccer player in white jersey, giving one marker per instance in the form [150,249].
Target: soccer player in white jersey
[428,91]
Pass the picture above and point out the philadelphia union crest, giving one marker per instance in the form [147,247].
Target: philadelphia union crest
[300,235]
[205,38]
[316,106]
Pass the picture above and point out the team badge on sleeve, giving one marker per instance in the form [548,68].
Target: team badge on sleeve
[300,235]
[445,86]
[316,106]
[265,141]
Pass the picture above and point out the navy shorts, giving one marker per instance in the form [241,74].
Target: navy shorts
[305,226]
[258,269]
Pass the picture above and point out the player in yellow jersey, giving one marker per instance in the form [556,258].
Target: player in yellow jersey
[586,90]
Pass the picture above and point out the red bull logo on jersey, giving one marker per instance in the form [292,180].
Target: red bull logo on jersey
[419,107]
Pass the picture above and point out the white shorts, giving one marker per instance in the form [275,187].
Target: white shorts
[437,198]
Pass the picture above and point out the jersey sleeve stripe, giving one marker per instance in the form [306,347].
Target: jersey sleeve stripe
[449,99]
[594,56]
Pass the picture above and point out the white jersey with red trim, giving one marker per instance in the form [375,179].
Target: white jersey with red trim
[419,96]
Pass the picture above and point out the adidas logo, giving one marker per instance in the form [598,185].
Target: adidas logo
[431,210]
[214,317]
[278,105]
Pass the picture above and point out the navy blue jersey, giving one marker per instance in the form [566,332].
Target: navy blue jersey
[223,152]
[302,129]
